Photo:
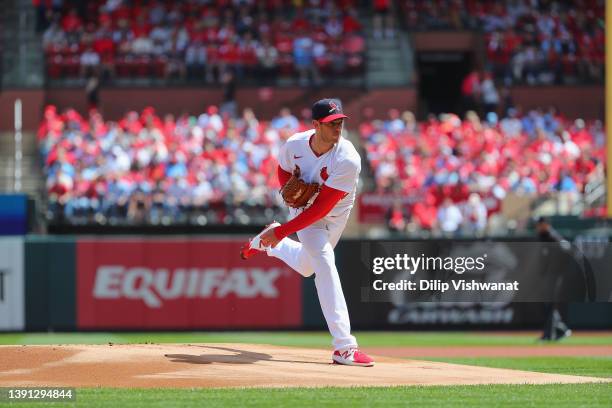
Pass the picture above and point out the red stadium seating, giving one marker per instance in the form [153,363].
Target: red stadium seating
[96,29]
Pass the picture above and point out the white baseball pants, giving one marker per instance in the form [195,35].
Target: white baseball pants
[315,254]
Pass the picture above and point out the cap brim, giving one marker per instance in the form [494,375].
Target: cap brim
[333,117]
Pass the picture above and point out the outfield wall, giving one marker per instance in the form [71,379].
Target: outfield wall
[200,283]
[12,298]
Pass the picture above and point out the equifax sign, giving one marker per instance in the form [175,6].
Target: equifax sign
[182,283]
[154,286]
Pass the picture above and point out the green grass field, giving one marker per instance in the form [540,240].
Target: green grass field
[301,339]
[585,395]
[570,395]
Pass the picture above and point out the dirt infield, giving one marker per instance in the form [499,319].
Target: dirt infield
[233,365]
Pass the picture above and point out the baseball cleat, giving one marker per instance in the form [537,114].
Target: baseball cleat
[352,357]
[254,245]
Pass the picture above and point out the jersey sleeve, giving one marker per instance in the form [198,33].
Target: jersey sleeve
[283,176]
[322,205]
[344,177]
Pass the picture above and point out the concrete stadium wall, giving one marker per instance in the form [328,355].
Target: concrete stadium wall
[430,41]
[266,102]
[585,102]
[32,108]
[573,101]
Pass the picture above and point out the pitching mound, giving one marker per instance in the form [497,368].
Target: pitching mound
[233,365]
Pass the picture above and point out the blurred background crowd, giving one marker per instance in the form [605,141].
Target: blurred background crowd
[447,162]
[211,168]
[200,40]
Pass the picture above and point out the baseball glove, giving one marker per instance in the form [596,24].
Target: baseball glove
[296,192]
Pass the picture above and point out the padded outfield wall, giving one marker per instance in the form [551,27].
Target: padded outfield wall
[200,283]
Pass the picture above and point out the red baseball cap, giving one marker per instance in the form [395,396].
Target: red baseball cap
[327,110]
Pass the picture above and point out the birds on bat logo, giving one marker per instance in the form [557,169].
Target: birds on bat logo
[333,107]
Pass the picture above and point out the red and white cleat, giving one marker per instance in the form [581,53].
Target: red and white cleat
[352,357]
[254,245]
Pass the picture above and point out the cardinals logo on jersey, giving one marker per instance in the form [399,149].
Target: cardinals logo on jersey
[324,175]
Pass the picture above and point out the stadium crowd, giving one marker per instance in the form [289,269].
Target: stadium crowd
[533,42]
[211,169]
[200,40]
[459,171]
[148,169]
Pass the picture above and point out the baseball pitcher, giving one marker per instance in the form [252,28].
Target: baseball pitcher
[318,170]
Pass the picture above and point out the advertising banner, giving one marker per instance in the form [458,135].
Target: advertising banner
[379,293]
[11,284]
[182,283]
[373,207]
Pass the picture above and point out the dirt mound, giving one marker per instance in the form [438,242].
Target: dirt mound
[233,365]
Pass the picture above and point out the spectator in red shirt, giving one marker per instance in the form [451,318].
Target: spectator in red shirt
[350,21]
[72,22]
[470,91]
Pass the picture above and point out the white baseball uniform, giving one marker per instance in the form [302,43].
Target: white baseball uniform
[339,169]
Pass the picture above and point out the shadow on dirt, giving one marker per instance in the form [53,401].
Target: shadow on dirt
[234,356]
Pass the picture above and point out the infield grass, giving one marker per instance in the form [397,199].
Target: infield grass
[304,339]
[566,395]
[585,366]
